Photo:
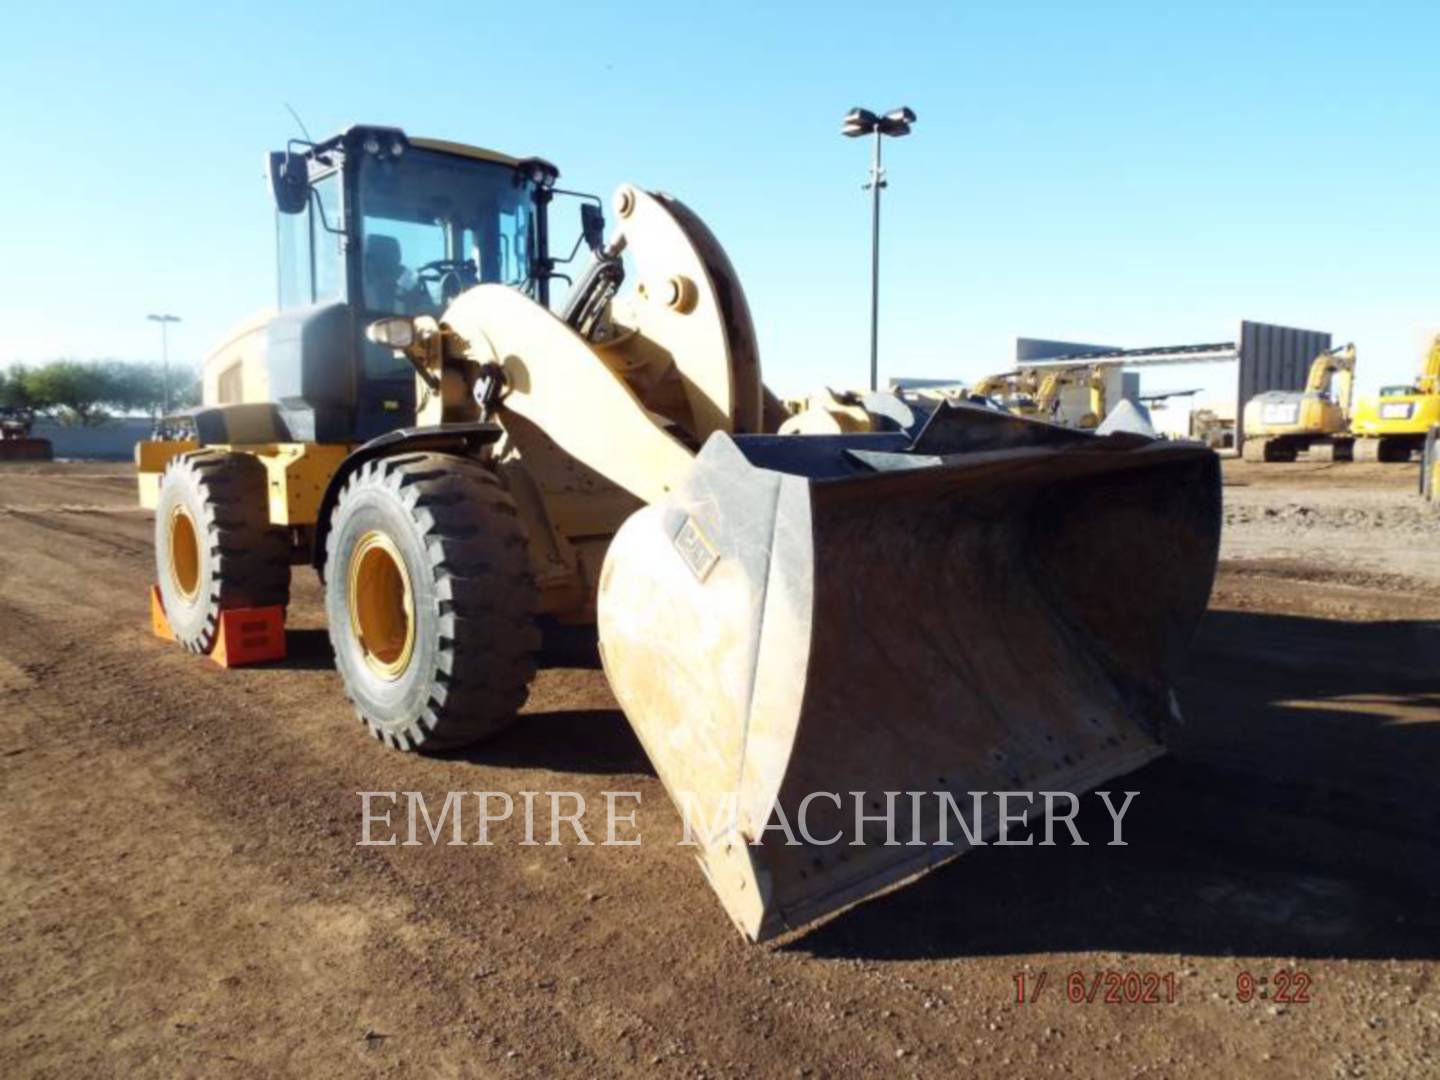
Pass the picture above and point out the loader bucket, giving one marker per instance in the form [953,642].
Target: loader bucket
[999,605]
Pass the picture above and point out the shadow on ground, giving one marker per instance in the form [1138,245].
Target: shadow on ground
[584,741]
[307,650]
[1296,816]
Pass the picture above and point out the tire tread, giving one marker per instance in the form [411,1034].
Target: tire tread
[479,558]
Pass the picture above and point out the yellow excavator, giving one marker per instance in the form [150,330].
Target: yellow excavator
[1282,424]
[1031,392]
[989,603]
[1393,425]
[1038,392]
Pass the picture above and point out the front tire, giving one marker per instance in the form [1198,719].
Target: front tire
[215,549]
[430,600]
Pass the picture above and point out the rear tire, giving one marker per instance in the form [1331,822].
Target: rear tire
[1395,450]
[215,549]
[430,600]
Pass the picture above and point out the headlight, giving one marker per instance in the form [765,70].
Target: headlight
[397,331]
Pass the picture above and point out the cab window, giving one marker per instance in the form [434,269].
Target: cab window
[435,224]
[310,258]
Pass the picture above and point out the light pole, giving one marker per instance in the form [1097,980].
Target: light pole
[860,122]
[164,321]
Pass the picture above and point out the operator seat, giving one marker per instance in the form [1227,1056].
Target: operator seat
[382,272]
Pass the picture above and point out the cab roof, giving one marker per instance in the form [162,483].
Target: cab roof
[356,132]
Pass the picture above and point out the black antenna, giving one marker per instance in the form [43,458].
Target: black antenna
[300,122]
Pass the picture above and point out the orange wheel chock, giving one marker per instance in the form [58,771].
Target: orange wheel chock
[159,624]
[244,636]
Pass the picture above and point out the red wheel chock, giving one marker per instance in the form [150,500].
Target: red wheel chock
[245,635]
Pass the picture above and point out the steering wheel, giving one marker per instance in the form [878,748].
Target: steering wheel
[454,276]
[438,268]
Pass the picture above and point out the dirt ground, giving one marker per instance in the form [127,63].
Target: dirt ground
[181,892]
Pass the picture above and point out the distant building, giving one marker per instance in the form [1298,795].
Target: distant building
[112,440]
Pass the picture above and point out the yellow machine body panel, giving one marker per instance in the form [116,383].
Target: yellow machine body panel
[296,473]
[234,371]
[151,457]
[1396,414]
[464,150]
[1280,413]
[1402,415]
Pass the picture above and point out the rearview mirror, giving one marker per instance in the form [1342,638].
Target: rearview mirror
[289,182]
[592,226]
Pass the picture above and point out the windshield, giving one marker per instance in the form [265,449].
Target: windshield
[434,224]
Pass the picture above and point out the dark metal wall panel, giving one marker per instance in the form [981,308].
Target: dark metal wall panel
[1273,358]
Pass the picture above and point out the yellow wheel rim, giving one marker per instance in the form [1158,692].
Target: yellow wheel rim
[184,554]
[382,605]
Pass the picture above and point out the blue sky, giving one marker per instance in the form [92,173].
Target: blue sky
[1138,174]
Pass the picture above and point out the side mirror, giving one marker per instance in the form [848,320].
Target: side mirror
[289,182]
[592,227]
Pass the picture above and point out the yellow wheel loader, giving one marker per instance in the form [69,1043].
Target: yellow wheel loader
[1392,426]
[990,603]
[1282,424]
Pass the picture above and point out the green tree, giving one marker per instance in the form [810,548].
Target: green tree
[138,388]
[184,393]
[73,391]
[89,391]
[15,397]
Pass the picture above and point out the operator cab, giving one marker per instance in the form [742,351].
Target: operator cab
[371,223]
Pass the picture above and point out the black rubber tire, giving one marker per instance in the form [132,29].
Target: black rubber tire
[473,598]
[243,561]
[1395,450]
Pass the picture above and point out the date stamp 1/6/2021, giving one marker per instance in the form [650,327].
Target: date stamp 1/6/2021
[1101,987]
[1282,987]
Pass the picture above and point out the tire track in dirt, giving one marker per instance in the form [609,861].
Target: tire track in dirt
[181,893]
[187,724]
[68,525]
